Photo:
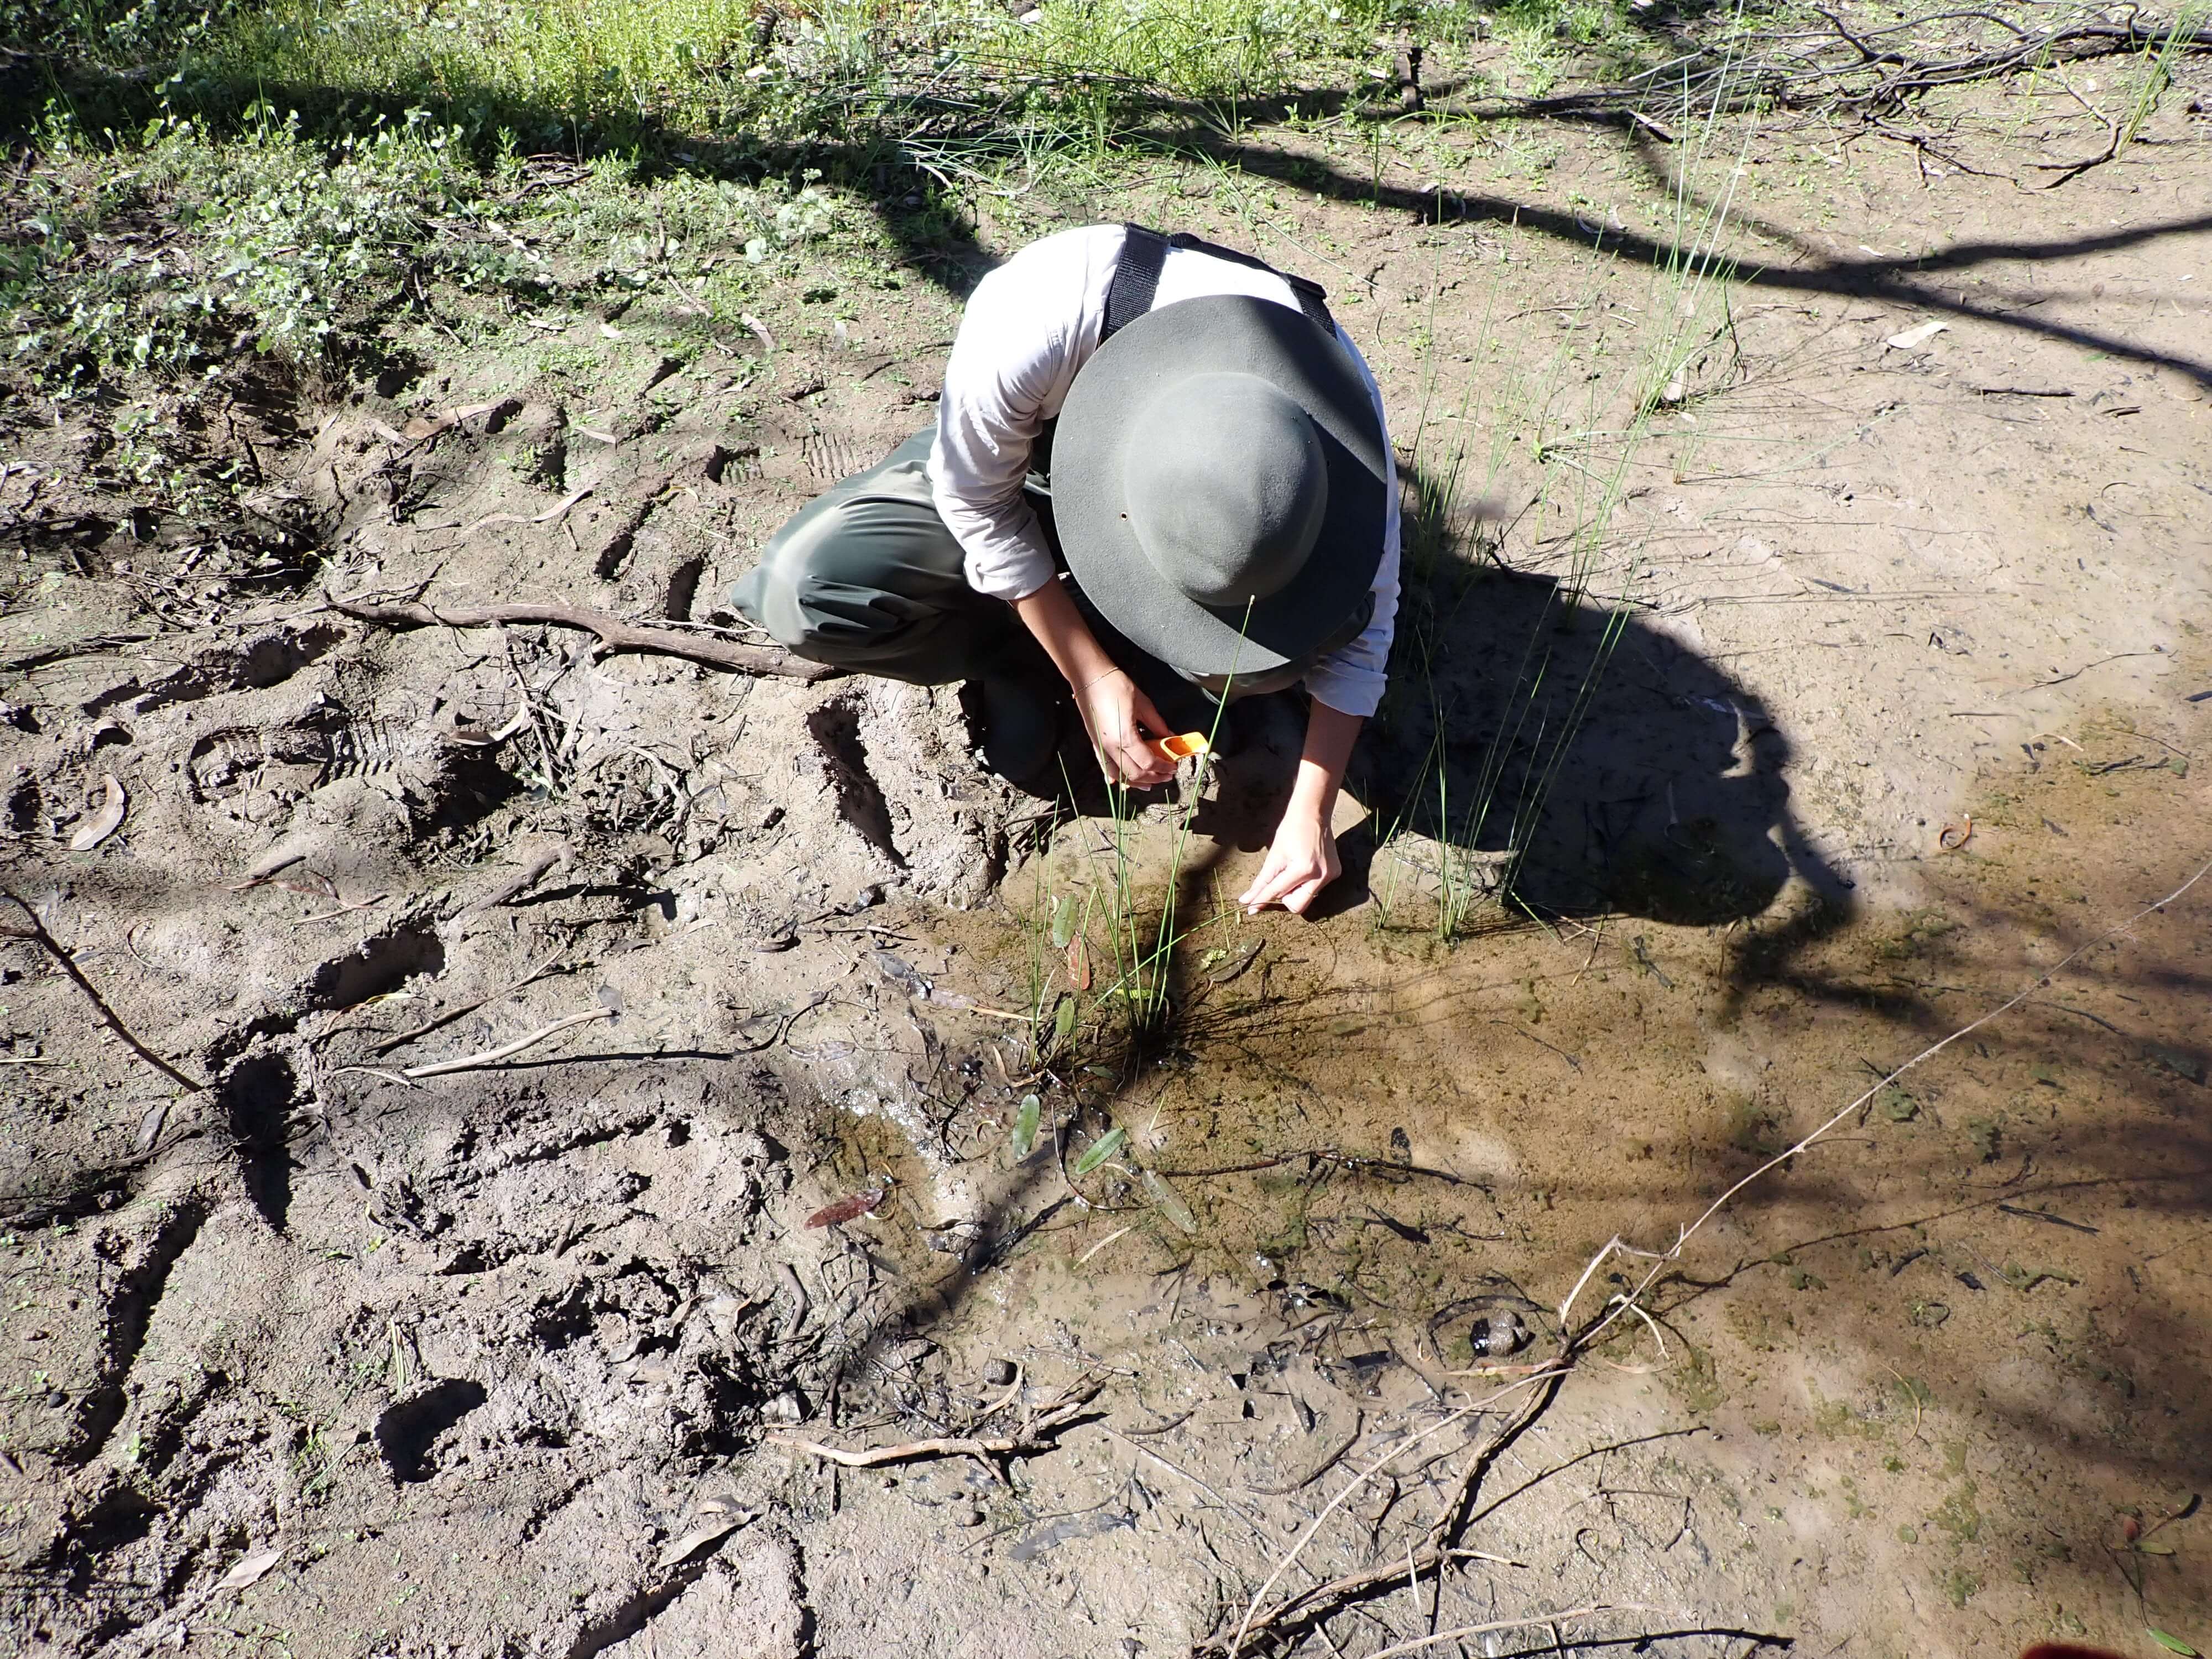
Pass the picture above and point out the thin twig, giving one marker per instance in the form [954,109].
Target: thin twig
[492,1056]
[1462,1630]
[449,1016]
[1328,1461]
[1306,1606]
[346,909]
[36,933]
[1662,1260]
[560,854]
[1036,1436]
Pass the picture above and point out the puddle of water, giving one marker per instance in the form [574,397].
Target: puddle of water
[1961,1333]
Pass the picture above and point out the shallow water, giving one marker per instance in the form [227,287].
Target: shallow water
[1941,1350]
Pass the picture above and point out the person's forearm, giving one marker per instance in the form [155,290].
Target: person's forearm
[1050,615]
[1330,733]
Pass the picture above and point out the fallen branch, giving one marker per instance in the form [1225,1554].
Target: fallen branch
[36,933]
[1762,69]
[615,636]
[1035,1436]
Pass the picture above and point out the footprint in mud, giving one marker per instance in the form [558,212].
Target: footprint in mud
[406,1431]
[830,457]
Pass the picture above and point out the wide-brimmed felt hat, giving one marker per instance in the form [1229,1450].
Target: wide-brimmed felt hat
[1218,484]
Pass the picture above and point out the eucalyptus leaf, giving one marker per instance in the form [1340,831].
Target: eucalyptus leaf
[1025,1126]
[1063,921]
[2170,1643]
[1100,1149]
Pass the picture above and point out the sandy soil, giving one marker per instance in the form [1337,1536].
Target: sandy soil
[323,1358]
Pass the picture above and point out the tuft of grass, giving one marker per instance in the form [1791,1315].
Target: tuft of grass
[862,76]
[1583,465]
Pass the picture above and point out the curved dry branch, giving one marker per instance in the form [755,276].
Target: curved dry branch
[615,636]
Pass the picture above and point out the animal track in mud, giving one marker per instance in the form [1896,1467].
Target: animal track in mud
[253,664]
[129,1311]
[380,964]
[406,1431]
[836,728]
[257,1095]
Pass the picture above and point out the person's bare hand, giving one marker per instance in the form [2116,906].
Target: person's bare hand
[1122,720]
[1301,861]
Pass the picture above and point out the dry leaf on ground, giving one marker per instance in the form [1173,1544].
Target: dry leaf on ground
[104,822]
[251,1570]
[1913,337]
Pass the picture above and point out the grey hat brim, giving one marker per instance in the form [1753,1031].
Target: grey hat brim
[1233,333]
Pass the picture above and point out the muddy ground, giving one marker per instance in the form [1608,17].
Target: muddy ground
[323,1358]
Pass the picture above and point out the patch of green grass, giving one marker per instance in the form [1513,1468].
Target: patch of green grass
[551,72]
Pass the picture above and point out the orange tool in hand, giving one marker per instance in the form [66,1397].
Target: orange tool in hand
[1182,747]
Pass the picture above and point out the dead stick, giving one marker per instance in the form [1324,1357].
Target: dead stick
[492,1056]
[530,875]
[613,633]
[1330,1461]
[1037,1439]
[953,1446]
[1463,1631]
[1304,1608]
[37,934]
[346,909]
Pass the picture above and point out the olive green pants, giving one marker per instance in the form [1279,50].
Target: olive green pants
[866,577]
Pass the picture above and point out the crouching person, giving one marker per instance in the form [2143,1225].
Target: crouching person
[1160,476]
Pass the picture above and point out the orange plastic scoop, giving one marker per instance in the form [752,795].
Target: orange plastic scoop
[1182,747]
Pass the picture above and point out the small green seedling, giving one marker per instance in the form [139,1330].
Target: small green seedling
[1100,1149]
[1025,1126]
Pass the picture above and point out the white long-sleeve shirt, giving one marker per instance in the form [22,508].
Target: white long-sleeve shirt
[1029,326]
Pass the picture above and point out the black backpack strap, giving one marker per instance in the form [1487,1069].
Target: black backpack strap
[1136,279]
[1311,298]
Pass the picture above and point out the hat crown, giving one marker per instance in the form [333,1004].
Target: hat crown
[1226,485]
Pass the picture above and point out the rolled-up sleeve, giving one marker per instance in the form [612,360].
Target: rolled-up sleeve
[1009,372]
[1351,679]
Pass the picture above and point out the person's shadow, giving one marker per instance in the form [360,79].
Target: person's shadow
[1565,756]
